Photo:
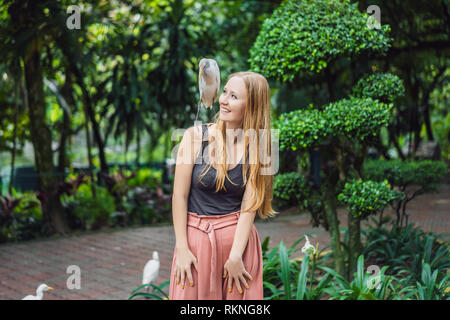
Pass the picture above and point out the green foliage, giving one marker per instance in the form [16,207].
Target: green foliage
[385,87]
[94,212]
[406,250]
[139,197]
[364,198]
[21,217]
[159,295]
[426,173]
[301,129]
[292,187]
[146,177]
[421,260]
[357,118]
[421,176]
[285,279]
[353,118]
[306,35]
[364,286]
[429,287]
[440,117]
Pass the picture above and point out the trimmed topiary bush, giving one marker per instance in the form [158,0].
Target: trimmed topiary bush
[306,36]
[418,176]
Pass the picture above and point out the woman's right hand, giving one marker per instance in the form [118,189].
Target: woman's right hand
[183,263]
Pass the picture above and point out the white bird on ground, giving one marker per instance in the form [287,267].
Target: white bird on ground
[39,292]
[151,270]
[208,82]
[308,245]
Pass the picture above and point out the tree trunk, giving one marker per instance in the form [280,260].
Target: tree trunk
[138,147]
[66,130]
[354,243]
[42,142]
[13,152]
[90,115]
[426,116]
[333,223]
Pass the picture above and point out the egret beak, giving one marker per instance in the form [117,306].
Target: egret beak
[50,288]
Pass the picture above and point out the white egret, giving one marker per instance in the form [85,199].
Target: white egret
[39,292]
[151,270]
[208,82]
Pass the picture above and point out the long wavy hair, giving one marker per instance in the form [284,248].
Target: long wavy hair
[256,117]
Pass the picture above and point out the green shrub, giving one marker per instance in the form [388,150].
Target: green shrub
[139,197]
[364,286]
[146,177]
[306,36]
[385,87]
[427,174]
[364,198]
[286,279]
[353,118]
[420,176]
[93,212]
[21,217]
[430,287]
[292,188]
[405,248]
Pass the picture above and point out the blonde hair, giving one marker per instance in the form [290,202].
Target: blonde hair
[256,116]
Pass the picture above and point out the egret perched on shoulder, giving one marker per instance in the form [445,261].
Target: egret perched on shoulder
[39,292]
[208,82]
[151,270]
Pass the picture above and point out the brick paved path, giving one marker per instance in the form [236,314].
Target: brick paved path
[111,263]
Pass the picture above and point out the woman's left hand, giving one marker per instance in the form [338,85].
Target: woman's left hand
[235,270]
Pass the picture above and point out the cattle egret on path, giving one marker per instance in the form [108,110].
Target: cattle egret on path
[151,270]
[39,292]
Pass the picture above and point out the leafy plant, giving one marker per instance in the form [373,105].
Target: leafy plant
[21,217]
[306,36]
[406,250]
[424,176]
[364,286]
[286,279]
[139,197]
[385,87]
[430,287]
[93,211]
[159,295]
[292,188]
[364,198]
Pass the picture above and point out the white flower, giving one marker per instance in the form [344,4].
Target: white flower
[308,245]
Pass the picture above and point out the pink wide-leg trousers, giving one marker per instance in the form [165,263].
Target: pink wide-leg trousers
[210,239]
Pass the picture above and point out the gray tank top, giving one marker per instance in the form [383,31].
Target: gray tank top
[203,199]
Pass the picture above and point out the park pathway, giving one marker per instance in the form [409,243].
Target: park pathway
[111,263]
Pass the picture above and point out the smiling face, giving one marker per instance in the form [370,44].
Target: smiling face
[232,102]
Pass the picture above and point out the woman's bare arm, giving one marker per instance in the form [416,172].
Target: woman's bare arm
[182,184]
[244,225]
[234,266]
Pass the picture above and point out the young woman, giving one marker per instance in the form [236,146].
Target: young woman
[218,254]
